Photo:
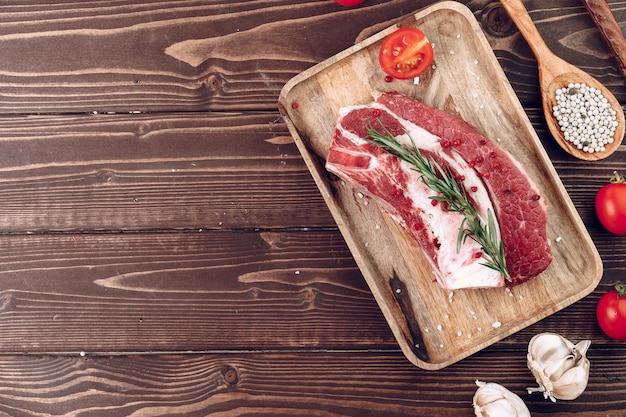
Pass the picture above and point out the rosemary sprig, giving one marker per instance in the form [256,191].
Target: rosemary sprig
[449,191]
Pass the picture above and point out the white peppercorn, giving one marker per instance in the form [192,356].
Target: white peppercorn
[585,117]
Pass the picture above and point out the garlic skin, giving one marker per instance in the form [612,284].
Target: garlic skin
[493,400]
[560,367]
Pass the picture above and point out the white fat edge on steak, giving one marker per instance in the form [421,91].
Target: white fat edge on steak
[454,269]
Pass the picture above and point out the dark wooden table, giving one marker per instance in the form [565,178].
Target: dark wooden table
[164,250]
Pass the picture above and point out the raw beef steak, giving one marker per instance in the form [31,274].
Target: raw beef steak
[521,211]
[496,181]
[400,191]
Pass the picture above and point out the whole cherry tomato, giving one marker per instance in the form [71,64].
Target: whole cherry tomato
[611,205]
[349,2]
[405,54]
[611,313]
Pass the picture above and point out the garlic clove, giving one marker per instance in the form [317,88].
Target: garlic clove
[554,370]
[493,400]
[569,386]
[560,367]
[552,347]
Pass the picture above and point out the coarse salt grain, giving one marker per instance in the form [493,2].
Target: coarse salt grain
[496,324]
[558,239]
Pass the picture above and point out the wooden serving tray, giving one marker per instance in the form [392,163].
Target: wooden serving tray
[434,327]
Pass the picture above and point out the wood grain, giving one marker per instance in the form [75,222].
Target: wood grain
[190,54]
[154,56]
[213,290]
[241,384]
[165,171]
[194,291]
[187,223]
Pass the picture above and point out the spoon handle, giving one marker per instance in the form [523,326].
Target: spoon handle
[519,15]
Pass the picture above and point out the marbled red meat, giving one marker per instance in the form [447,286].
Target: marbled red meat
[400,191]
[500,183]
[521,211]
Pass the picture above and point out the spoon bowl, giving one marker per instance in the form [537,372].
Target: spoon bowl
[554,74]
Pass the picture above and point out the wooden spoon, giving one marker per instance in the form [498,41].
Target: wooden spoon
[555,73]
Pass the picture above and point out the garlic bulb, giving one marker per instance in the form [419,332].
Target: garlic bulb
[493,400]
[560,367]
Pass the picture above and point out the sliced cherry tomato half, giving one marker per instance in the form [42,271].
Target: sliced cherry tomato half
[405,53]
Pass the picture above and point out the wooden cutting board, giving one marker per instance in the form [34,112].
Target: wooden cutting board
[434,327]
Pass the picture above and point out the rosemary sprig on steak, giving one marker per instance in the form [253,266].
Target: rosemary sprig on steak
[451,192]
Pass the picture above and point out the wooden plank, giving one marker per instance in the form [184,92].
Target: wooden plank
[213,291]
[282,384]
[151,56]
[156,56]
[143,171]
[194,291]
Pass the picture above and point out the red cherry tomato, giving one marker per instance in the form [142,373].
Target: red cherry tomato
[349,2]
[405,53]
[611,313]
[611,205]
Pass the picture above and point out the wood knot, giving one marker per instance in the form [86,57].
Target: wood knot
[309,295]
[105,176]
[231,376]
[214,83]
[496,20]
[7,302]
